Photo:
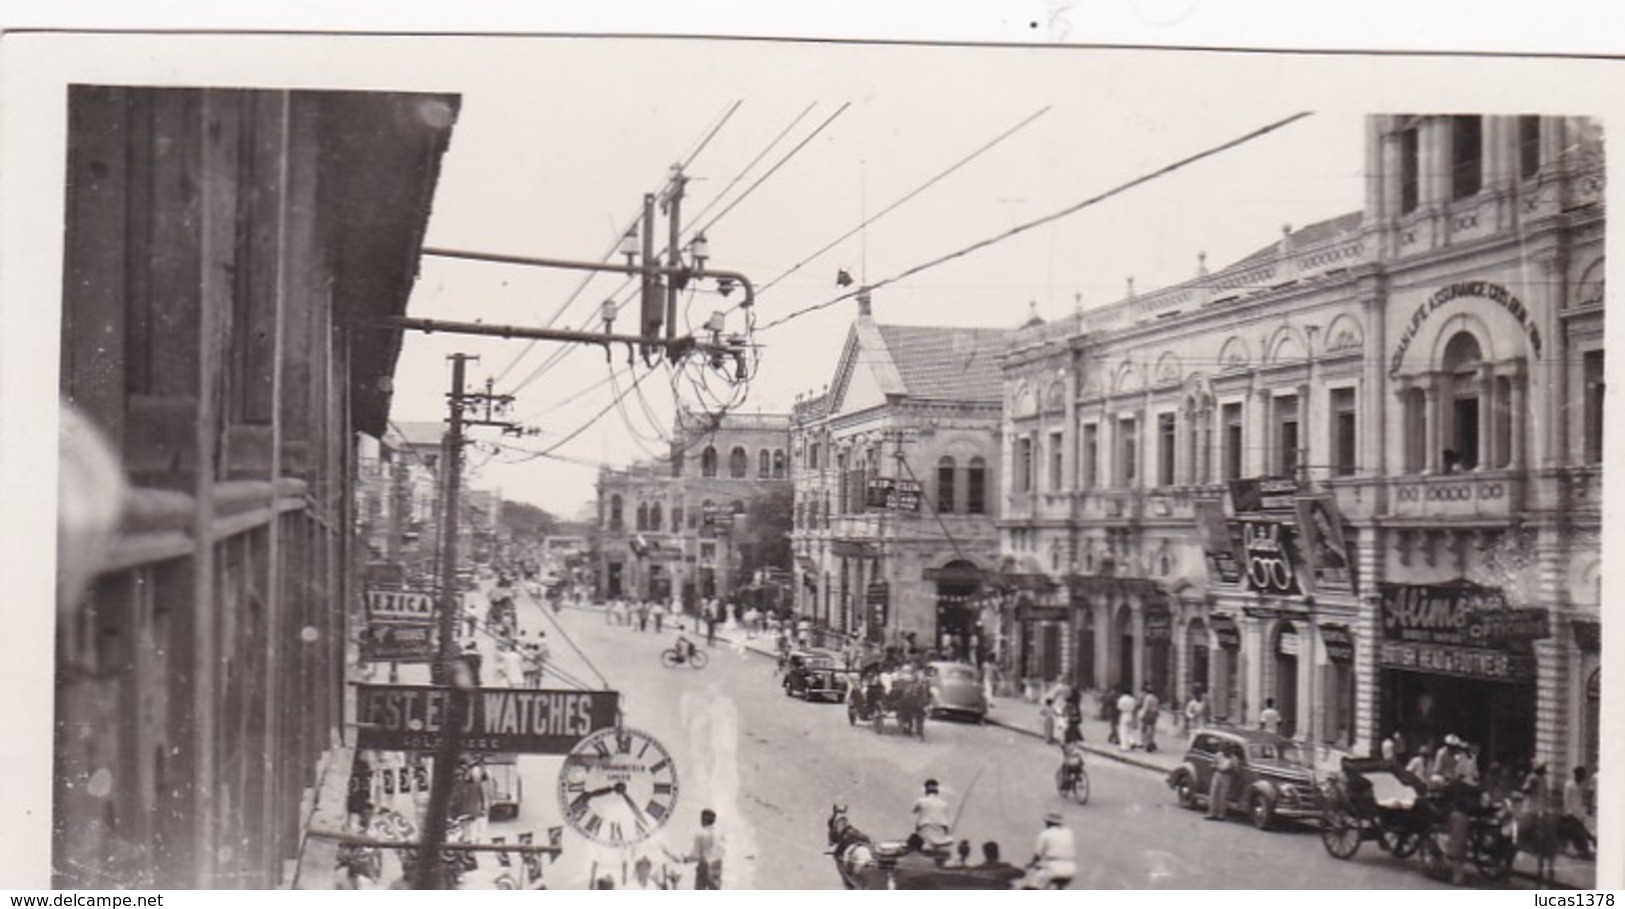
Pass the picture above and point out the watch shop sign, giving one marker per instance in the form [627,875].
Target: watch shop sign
[502,720]
[1270,557]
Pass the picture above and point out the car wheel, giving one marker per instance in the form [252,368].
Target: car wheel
[1261,811]
[1185,793]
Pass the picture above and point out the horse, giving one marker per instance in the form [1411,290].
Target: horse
[852,848]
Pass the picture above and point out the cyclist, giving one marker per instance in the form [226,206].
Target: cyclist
[1054,861]
[685,647]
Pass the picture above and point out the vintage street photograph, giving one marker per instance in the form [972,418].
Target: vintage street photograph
[562,462]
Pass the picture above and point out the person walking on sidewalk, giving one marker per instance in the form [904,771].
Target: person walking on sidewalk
[1150,710]
[1126,734]
[706,853]
[1046,716]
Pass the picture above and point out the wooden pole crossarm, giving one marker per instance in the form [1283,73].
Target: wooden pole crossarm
[543,262]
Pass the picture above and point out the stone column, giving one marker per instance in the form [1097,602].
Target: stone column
[1304,426]
[1515,459]
[1258,434]
[1433,431]
[1553,656]
[1486,411]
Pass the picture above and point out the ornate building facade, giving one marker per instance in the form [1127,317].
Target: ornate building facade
[896,470]
[1357,473]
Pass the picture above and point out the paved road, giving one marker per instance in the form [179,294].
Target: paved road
[772,767]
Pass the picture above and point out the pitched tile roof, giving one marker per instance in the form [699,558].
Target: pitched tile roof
[943,363]
[1310,234]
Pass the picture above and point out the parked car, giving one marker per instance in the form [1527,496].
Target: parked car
[956,689]
[815,675]
[1274,779]
[503,788]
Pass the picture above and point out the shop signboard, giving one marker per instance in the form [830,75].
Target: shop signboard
[501,720]
[1325,547]
[1272,557]
[1264,495]
[1463,662]
[1159,624]
[1225,631]
[1338,641]
[880,493]
[1044,613]
[398,643]
[403,606]
[877,595]
[1218,542]
[1460,613]
[908,495]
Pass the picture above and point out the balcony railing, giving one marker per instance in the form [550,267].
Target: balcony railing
[1495,494]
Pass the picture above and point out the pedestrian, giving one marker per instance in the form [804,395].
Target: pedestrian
[1055,856]
[1573,827]
[1046,715]
[1108,712]
[1269,719]
[472,659]
[706,853]
[1150,710]
[471,615]
[1125,721]
[1195,712]
[643,616]
[931,819]
[711,627]
[658,613]
[1224,771]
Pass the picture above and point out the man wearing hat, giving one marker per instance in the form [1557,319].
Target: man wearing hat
[1055,856]
[931,820]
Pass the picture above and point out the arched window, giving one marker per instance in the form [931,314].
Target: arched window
[946,468]
[643,516]
[614,512]
[764,464]
[778,464]
[656,517]
[1462,360]
[707,509]
[738,464]
[812,456]
[708,462]
[976,487]
[738,507]
[676,519]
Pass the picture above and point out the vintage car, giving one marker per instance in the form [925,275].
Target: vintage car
[956,689]
[815,675]
[1274,778]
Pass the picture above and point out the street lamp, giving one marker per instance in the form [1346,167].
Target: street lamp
[629,246]
[699,249]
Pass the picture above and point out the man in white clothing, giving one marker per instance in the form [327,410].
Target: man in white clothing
[1055,857]
[931,820]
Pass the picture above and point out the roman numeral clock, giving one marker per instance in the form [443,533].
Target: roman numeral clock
[618,787]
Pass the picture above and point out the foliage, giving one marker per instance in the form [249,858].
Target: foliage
[522,522]
[764,540]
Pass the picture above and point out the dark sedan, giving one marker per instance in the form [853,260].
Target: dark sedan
[815,675]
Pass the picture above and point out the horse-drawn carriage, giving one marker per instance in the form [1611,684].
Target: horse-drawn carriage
[1377,801]
[904,701]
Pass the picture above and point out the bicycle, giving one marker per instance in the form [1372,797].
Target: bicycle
[672,657]
[1072,780]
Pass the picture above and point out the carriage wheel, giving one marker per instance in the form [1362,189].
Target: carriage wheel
[1340,833]
[1492,852]
[1430,850]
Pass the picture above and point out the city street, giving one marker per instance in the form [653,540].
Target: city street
[772,767]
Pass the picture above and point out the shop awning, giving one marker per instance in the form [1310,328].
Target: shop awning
[955,574]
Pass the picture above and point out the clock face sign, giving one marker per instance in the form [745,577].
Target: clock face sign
[618,786]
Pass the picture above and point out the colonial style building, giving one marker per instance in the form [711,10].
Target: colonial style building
[225,250]
[896,472]
[678,527]
[1357,472]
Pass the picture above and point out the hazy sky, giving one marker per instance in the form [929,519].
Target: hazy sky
[558,140]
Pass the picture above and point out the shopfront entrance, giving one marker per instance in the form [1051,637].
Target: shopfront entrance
[1286,676]
[1499,717]
[1196,648]
[1159,639]
[1085,664]
[1224,702]
[1125,648]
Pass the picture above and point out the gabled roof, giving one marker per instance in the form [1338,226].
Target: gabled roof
[947,364]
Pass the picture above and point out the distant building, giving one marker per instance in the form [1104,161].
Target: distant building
[1358,472]
[675,527]
[896,471]
[224,250]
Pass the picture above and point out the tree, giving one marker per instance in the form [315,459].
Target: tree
[764,540]
[522,522]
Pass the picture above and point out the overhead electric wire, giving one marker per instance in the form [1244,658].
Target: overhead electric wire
[774,169]
[895,205]
[1038,222]
[615,243]
[753,162]
[595,417]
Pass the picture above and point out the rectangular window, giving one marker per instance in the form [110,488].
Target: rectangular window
[1415,430]
[1466,156]
[1528,146]
[1055,461]
[1165,449]
[976,488]
[1343,432]
[1090,455]
[1128,450]
[1286,435]
[1232,441]
[1024,465]
[1594,387]
[945,486]
[1410,170]
[841,485]
[812,456]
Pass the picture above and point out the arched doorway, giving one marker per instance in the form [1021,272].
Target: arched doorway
[1462,357]
[1125,648]
[1286,676]
[1196,658]
[956,619]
